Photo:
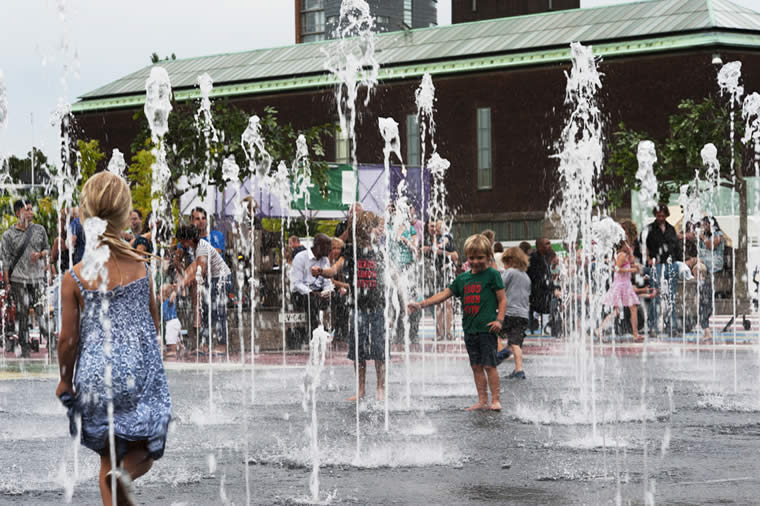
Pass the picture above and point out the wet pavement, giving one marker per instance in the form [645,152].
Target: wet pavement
[691,439]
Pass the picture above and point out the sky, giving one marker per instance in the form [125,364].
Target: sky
[52,51]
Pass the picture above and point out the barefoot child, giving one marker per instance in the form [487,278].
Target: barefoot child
[621,294]
[482,293]
[517,289]
[87,350]
[370,290]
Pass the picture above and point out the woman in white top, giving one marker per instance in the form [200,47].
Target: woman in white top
[212,269]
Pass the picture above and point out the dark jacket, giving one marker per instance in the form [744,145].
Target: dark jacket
[663,245]
[541,284]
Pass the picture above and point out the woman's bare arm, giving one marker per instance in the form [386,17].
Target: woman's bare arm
[68,341]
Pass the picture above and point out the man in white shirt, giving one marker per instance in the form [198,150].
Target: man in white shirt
[308,293]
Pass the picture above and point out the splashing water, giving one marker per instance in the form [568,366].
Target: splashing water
[580,160]
[259,159]
[158,104]
[312,378]
[646,155]
[116,164]
[606,233]
[302,173]
[709,156]
[729,77]
[95,254]
[158,93]
[351,60]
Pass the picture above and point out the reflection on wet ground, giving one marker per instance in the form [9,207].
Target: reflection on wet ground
[700,436]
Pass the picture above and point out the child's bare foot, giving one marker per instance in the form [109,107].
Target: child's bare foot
[480,406]
[496,406]
[638,339]
[380,395]
[353,397]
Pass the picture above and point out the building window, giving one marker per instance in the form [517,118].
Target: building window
[485,181]
[474,5]
[408,4]
[312,20]
[383,20]
[311,5]
[412,141]
[342,154]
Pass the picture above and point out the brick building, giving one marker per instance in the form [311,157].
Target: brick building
[499,85]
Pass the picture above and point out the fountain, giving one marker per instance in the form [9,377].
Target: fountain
[655,405]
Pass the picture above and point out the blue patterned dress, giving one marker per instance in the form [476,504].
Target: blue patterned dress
[141,402]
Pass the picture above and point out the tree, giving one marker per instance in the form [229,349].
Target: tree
[19,169]
[88,158]
[679,155]
[187,152]
[154,58]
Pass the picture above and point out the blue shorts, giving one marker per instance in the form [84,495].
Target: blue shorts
[481,348]
[371,336]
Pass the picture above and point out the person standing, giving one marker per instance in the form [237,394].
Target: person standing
[214,271]
[215,237]
[24,251]
[112,378]
[542,286]
[481,291]
[310,293]
[370,301]
[662,252]
[517,290]
[295,245]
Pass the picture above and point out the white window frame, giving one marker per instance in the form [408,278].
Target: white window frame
[413,151]
[342,147]
[485,157]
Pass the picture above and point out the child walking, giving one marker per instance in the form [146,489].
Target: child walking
[137,388]
[482,294]
[517,290]
[621,294]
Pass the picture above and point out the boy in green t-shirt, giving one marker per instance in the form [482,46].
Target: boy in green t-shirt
[482,293]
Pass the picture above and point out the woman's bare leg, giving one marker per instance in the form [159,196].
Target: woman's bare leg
[105,487]
[635,322]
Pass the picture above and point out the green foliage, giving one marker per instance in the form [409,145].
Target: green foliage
[679,154]
[298,227]
[154,58]
[187,150]
[622,163]
[19,169]
[139,174]
[89,157]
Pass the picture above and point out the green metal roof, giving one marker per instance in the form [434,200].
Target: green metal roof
[645,26]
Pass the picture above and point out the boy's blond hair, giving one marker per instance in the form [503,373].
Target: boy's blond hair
[516,258]
[478,244]
[490,235]
[106,196]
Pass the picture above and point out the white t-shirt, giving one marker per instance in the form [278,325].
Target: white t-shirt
[215,262]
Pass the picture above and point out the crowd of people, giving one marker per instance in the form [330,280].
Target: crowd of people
[369,282]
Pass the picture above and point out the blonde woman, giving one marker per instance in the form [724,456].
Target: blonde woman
[115,328]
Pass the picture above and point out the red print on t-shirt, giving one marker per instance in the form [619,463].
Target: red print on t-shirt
[472,298]
[366,275]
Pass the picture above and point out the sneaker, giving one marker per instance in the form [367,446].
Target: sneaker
[517,375]
[502,355]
